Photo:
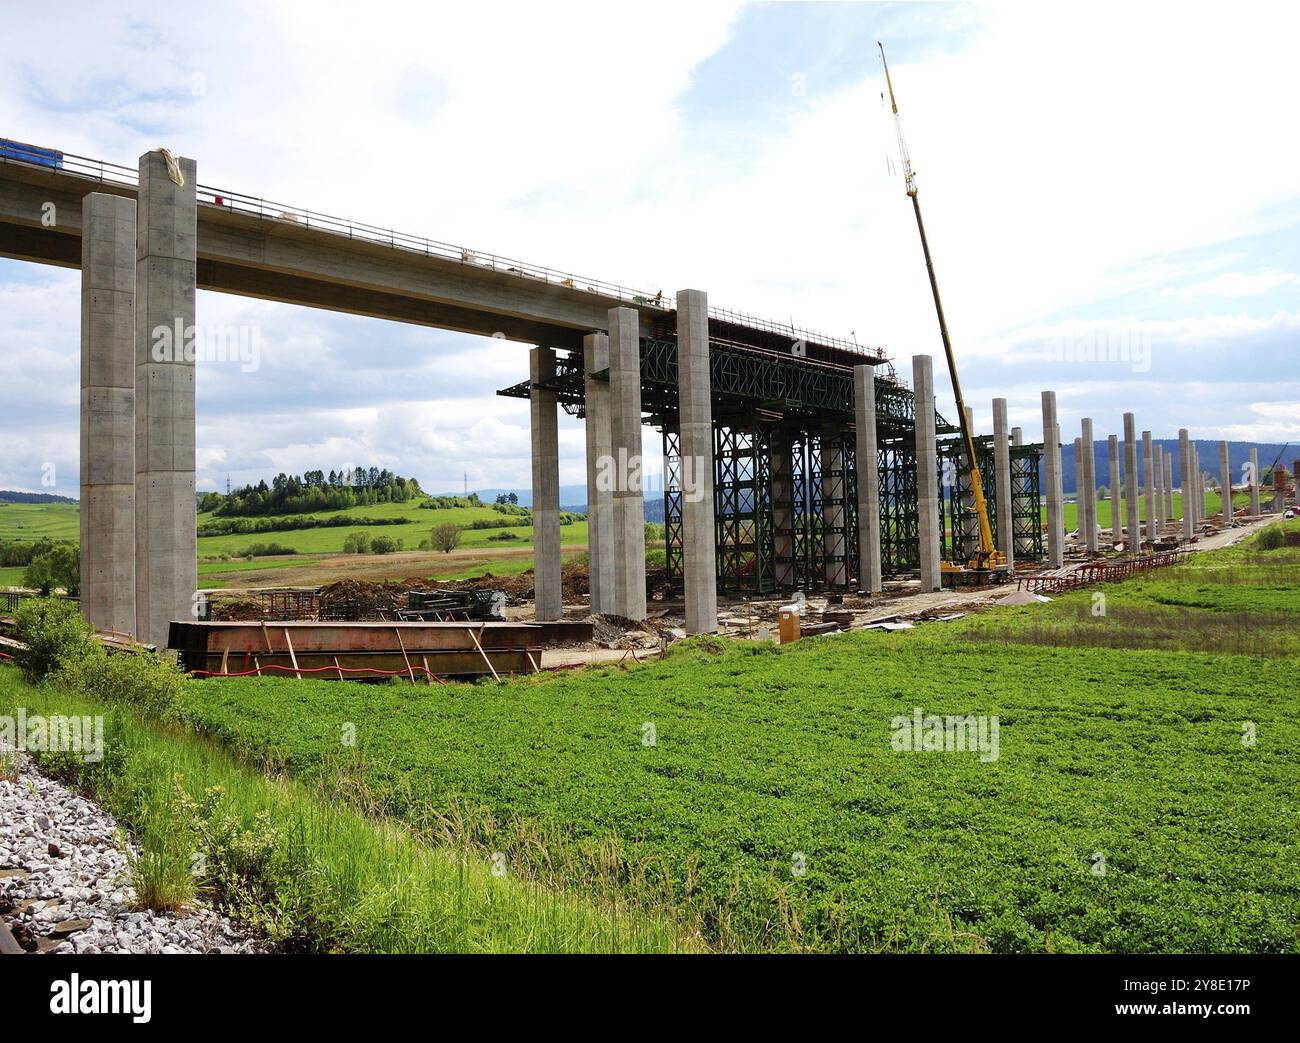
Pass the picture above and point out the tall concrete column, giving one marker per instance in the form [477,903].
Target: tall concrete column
[1185,481]
[1149,484]
[625,443]
[166,542]
[1134,541]
[699,538]
[834,493]
[782,509]
[600,493]
[1055,495]
[1255,483]
[1080,512]
[1002,479]
[1116,480]
[927,474]
[1157,458]
[868,479]
[1198,491]
[1089,502]
[108,411]
[1169,487]
[1024,541]
[547,590]
[1225,480]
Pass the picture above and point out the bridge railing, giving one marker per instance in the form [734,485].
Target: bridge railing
[793,332]
[265,209]
[239,202]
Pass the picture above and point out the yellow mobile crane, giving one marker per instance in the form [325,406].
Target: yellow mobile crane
[988,563]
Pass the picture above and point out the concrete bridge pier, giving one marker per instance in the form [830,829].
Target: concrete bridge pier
[782,509]
[1134,540]
[625,446]
[1225,480]
[108,256]
[927,473]
[1002,481]
[699,537]
[1116,514]
[1088,494]
[1185,481]
[600,493]
[165,539]
[1198,490]
[1053,478]
[1157,459]
[1169,488]
[1149,484]
[547,589]
[834,479]
[870,579]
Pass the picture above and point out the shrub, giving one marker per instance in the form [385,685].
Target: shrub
[55,633]
[445,537]
[1272,537]
[262,550]
[356,543]
[137,679]
[384,545]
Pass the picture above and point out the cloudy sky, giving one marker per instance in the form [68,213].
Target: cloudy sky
[1112,196]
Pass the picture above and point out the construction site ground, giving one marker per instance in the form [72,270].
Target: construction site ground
[617,640]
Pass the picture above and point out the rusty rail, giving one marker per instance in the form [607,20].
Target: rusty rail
[1088,573]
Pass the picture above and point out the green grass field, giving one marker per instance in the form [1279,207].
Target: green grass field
[31,521]
[1124,812]
[304,870]
[60,521]
[1213,503]
[415,528]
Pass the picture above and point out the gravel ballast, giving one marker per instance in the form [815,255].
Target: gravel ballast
[65,883]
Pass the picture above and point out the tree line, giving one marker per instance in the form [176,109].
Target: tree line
[314,491]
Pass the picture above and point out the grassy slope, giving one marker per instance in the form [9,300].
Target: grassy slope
[763,752]
[415,529]
[30,521]
[338,880]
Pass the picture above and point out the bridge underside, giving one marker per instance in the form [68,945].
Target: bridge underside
[785,470]
[763,417]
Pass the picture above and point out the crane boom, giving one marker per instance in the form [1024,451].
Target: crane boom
[987,556]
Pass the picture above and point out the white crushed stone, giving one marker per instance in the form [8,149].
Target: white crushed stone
[65,883]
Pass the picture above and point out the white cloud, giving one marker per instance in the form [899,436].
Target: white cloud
[1063,159]
[1238,284]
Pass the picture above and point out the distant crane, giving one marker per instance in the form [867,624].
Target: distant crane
[988,559]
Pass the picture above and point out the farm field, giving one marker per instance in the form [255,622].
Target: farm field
[319,556]
[1123,812]
[1213,503]
[414,528]
[31,521]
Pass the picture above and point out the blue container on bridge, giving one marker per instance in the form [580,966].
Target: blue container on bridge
[44,157]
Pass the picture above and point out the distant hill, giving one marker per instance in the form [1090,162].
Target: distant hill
[1238,456]
[13,496]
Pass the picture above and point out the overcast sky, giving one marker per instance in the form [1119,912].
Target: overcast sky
[1096,180]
